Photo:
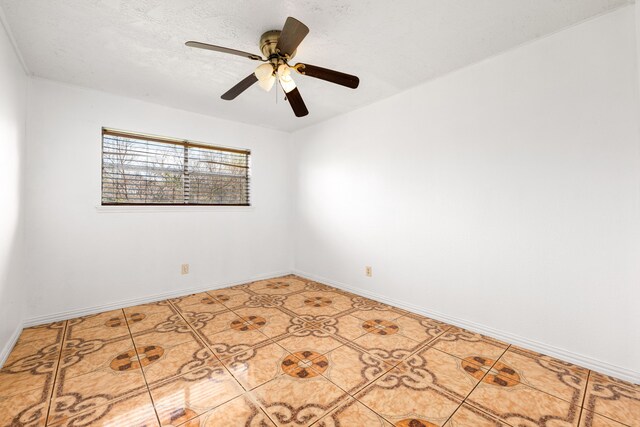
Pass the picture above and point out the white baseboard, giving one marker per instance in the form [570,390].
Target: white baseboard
[558,353]
[71,314]
[6,350]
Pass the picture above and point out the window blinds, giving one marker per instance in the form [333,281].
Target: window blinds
[148,170]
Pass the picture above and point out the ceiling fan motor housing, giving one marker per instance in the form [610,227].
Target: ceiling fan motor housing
[268,43]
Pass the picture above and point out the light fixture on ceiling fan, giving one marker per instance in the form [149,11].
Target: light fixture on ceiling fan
[279,47]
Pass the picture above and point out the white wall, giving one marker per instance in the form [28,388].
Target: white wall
[13,96]
[504,196]
[638,35]
[80,257]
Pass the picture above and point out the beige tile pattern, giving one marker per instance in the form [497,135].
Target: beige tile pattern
[182,398]
[258,365]
[242,411]
[612,398]
[404,398]
[351,369]
[591,419]
[292,401]
[352,413]
[519,404]
[468,416]
[550,375]
[292,352]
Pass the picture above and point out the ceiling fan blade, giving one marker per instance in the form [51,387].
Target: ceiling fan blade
[240,87]
[329,75]
[297,104]
[292,35]
[224,50]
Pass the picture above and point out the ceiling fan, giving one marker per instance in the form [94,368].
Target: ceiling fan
[279,47]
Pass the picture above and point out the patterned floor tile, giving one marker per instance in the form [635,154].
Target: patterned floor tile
[407,400]
[270,321]
[420,328]
[518,404]
[268,301]
[311,285]
[33,352]
[349,327]
[613,398]
[327,298]
[386,343]
[234,341]
[306,310]
[131,411]
[102,333]
[222,293]
[113,318]
[548,374]
[352,413]
[278,286]
[305,364]
[548,360]
[183,398]
[81,356]
[210,323]
[318,344]
[317,325]
[462,344]
[296,301]
[27,408]
[240,412]
[75,395]
[32,372]
[232,298]
[168,338]
[159,308]
[161,363]
[162,321]
[202,298]
[318,302]
[291,400]
[468,416]
[441,371]
[384,313]
[591,419]
[352,369]
[201,310]
[50,333]
[257,365]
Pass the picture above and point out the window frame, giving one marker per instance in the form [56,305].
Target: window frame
[123,207]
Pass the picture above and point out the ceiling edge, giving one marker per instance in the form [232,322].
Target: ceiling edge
[12,40]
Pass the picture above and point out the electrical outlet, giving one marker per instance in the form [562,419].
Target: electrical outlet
[185,269]
[367,271]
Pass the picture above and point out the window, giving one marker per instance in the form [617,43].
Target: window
[149,170]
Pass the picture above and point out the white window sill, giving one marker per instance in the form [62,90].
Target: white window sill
[173,209]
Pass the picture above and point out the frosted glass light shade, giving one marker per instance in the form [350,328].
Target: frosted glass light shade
[264,74]
[286,81]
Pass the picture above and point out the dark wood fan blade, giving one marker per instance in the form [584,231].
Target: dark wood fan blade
[223,50]
[329,75]
[240,87]
[292,35]
[297,104]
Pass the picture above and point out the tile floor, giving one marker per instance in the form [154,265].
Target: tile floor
[292,352]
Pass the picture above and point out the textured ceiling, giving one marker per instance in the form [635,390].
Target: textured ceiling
[136,47]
